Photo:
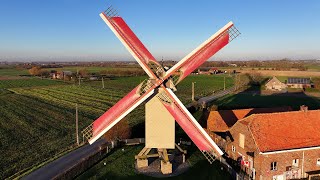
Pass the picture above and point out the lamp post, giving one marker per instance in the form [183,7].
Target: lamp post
[77,129]
[192,96]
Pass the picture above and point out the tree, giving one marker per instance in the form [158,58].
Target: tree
[120,131]
[255,78]
[83,72]
[241,80]
[44,73]
[35,71]
[316,82]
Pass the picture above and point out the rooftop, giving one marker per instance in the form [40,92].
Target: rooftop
[299,80]
[222,120]
[285,130]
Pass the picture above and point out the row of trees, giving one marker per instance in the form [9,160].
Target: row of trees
[83,73]
[38,71]
[248,79]
[284,64]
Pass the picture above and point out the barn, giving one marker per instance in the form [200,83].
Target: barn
[294,82]
[275,85]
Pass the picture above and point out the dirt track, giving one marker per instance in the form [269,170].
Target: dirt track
[283,73]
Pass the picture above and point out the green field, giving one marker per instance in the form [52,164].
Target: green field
[37,119]
[240,101]
[28,82]
[92,69]
[37,116]
[31,130]
[13,72]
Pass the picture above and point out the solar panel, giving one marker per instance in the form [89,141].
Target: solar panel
[298,80]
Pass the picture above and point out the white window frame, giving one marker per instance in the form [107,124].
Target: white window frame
[242,139]
[273,166]
[295,162]
[233,148]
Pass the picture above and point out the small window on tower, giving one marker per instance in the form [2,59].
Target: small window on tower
[318,161]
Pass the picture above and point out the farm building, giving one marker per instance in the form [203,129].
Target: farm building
[278,145]
[209,70]
[299,83]
[275,84]
[62,74]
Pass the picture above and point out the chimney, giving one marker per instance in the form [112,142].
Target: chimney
[304,108]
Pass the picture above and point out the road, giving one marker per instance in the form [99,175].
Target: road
[64,163]
[207,99]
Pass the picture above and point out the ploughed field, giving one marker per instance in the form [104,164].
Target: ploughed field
[37,116]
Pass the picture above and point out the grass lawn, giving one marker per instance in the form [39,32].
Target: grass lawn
[239,101]
[120,165]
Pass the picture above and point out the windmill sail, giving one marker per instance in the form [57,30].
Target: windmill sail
[202,53]
[117,112]
[158,78]
[187,122]
[133,44]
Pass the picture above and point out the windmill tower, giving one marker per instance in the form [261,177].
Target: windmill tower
[163,107]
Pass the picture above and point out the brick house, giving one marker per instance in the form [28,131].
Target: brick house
[219,122]
[281,145]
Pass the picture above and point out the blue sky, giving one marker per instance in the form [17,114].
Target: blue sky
[73,30]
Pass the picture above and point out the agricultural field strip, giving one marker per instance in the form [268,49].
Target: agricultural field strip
[63,102]
[31,125]
[30,113]
[93,93]
[81,97]
[27,83]
[58,95]
[81,100]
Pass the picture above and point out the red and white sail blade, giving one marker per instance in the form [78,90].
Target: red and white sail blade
[132,43]
[187,122]
[203,52]
[117,112]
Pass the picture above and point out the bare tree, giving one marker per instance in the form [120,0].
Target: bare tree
[121,130]
[35,71]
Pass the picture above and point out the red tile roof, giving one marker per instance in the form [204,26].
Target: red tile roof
[286,130]
[221,121]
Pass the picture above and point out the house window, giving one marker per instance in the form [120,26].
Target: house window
[233,148]
[295,162]
[273,166]
[318,161]
[241,140]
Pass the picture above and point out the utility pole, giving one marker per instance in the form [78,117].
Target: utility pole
[77,129]
[102,83]
[192,96]
[79,80]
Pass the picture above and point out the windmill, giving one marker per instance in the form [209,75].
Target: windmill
[163,107]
